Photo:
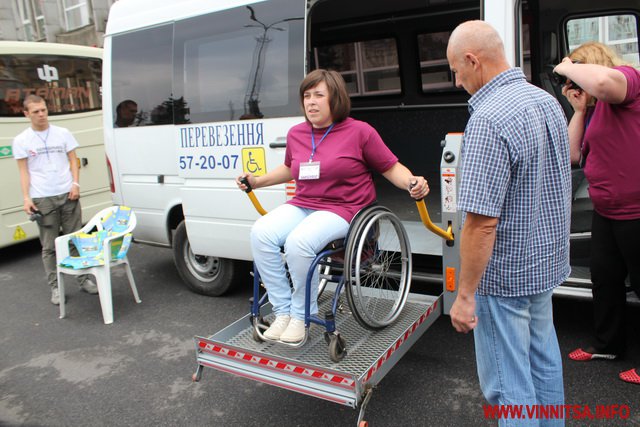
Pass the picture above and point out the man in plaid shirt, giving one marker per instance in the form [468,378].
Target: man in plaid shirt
[515,192]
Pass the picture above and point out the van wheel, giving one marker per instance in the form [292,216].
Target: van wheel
[206,275]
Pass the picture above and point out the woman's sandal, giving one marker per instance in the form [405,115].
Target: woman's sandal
[630,376]
[581,355]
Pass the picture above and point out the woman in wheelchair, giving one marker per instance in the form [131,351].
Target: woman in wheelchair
[331,156]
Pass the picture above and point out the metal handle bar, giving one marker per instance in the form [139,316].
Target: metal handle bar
[252,197]
[422,209]
[426,220]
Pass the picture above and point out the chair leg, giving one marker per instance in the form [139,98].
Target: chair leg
[106,301]
[63,312]
[132,282]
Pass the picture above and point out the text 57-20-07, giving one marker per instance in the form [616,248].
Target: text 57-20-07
[209,162]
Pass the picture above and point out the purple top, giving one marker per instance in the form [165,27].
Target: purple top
[347,155]
[611,149]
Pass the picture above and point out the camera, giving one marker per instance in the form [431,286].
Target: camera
[35,216]
[561,80]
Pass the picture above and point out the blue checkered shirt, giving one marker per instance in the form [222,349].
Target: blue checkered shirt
[515,167]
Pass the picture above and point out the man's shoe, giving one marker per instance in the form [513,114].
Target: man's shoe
[55,296]
[294,332]
[277,328]
[581,355]
[89,287]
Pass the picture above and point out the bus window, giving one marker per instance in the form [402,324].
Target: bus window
[68,84]
[620,32]
[369,67]
[247,66]
[141,72]
[341,58]
[434,68]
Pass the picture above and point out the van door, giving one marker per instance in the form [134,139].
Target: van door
[237,73]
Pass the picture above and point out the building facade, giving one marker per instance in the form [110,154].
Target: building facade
[79,22]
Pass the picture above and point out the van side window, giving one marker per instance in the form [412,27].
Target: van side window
[620,32]
[141,72]
[247,65]
[434,68]
[369,67]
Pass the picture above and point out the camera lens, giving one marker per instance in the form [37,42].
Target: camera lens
[559,79]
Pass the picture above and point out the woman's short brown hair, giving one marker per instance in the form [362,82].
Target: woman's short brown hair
[339,101]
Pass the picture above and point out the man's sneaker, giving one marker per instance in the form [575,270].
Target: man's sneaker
[277,327]
[590,353]
[55,296]
[294,332]
[89,287]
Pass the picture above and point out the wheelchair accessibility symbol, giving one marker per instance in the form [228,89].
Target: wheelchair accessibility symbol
[253,161]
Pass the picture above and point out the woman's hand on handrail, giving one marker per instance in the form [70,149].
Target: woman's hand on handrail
[246,182]
[418,187]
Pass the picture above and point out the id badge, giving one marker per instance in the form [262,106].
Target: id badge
[309,170]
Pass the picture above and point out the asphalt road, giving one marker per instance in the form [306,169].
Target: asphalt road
[137,371]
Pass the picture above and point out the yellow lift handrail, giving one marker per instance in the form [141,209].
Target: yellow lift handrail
[422,209]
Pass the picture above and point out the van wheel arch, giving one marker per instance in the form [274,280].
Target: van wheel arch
[206,275]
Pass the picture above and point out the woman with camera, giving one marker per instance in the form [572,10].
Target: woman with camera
[604,139]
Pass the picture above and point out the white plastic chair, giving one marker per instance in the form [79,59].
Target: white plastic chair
[102,273]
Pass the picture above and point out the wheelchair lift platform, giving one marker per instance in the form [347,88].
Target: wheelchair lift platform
[313,368]
[308,369]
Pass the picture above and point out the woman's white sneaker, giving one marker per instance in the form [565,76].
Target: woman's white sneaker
[277,327]
[294,332]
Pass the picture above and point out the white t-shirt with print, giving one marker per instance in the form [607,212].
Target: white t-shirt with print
[47,159]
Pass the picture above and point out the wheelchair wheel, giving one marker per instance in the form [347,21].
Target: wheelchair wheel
[377,267]
[337,346]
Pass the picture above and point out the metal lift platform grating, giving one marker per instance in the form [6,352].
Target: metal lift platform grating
[309,370]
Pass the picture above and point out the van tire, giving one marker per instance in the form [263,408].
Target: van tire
[206,275]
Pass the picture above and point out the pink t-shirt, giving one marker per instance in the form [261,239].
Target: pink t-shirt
[347,155]
[611,149]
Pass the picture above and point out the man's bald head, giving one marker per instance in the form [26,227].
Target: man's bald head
[476,55]
[478,38]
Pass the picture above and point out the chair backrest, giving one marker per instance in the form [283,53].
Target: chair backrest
[118,219]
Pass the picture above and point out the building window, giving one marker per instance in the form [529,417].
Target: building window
[369,67]
[76,13]
[30,12]
[616,31]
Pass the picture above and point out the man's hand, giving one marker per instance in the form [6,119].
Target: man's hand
[74,193]
[463,314]
[29,207]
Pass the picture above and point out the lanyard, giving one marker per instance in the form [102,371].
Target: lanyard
[313,141]
[44,140]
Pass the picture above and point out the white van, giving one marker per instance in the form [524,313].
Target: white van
[216,90]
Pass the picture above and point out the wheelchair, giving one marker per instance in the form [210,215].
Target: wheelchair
[372,265]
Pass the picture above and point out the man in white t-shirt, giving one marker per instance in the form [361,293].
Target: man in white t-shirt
[49,181]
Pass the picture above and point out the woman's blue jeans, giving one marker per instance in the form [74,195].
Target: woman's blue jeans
[303,233]
[517,353]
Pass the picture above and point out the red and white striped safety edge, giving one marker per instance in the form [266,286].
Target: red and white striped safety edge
[276,365]
[399,342]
